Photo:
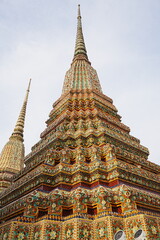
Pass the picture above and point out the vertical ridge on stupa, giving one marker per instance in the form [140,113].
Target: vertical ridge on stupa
[12,155]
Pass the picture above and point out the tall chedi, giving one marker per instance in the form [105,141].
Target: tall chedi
[12,155]
[87,178]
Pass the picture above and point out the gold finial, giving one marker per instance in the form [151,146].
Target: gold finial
[19,128]
[29,85]
[80,49]
[79,11]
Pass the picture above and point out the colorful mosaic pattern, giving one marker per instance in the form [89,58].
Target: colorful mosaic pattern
[133,225]
[37,232]
[87,177]
[4,232]
[102,230]
[152,227]
[117,225]
[85,231]
[69,231]
[21,232]
[52,232]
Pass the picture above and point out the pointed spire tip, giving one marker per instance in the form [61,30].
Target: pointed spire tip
[19,128]
[80,49]
[28,89]
[79,11]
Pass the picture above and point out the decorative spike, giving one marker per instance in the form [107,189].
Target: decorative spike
[80,49]
[81,75]
[12,155]
[79,11]
[19,128]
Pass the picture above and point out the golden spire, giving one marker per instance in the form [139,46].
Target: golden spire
[19,128]
[12,155]
[80,49]
[81,75]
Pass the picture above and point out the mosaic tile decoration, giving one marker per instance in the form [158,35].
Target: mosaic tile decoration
[87,178]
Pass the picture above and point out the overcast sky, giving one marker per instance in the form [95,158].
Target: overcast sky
[122,37]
